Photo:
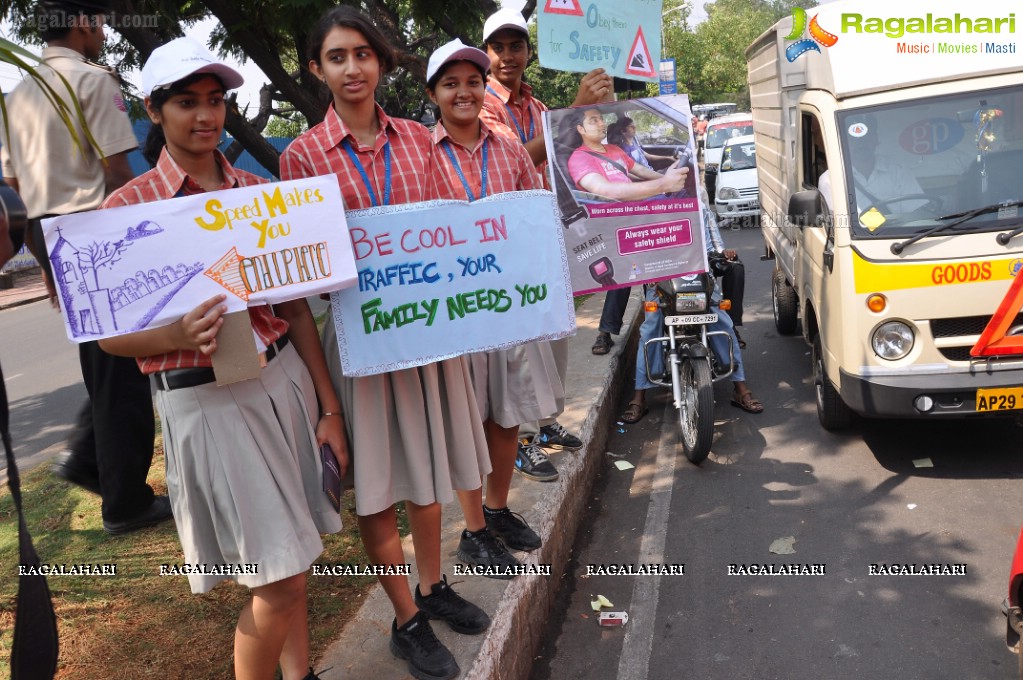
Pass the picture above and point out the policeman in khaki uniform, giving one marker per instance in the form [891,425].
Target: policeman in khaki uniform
[111,448]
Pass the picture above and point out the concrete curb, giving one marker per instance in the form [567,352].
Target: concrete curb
[23,301]
[518,608]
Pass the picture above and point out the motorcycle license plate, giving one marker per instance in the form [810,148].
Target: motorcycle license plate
[690,319]
[1001,399]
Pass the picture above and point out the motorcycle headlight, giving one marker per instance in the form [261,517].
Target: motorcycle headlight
[727,193]
[892,340]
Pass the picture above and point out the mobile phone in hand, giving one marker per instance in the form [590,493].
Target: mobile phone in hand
[331,476]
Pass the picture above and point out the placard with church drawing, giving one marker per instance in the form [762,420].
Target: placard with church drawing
[143,266]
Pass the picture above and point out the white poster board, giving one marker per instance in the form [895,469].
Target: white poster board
[130,268]
[443,278]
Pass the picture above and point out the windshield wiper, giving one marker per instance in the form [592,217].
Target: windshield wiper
[1004,238]
[959,218]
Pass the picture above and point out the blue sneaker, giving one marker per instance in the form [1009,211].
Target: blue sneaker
[532,462]
[556,438]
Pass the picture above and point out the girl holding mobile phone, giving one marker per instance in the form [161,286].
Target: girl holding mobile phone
[415,434]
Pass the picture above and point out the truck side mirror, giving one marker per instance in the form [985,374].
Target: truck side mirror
[805,208]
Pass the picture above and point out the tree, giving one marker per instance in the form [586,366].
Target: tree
[710,60]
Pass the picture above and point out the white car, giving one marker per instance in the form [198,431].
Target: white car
[719,131]
[738,191]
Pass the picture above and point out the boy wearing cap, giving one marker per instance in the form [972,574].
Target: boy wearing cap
[510,102]
[111,447]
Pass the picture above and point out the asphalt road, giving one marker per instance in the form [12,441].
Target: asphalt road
[848,501]
[43,379]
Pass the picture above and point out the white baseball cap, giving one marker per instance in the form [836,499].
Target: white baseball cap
[455,51]
[504,18]
[181,58]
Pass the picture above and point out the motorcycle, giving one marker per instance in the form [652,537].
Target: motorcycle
[691,368]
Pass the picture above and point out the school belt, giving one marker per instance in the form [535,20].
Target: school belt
[177,378]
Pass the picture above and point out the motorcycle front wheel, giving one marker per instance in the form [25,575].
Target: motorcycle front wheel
[696,410]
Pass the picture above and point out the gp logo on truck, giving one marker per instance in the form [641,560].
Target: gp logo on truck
[803,45]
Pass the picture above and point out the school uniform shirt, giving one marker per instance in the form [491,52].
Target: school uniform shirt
[415,434]
[168,180]
[509,167]
[523,117]
[320,151]
[54,177]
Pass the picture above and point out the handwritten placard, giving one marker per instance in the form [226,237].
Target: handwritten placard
[623,38]
[143,266]
[442,278]
[626,220]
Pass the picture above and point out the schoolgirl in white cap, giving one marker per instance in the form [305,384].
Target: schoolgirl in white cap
[243,473]
[471,159]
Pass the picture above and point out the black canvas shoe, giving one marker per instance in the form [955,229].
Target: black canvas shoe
[427,657]
[531,462]
[511,528]
[555,437]
[445,604]
[481,549]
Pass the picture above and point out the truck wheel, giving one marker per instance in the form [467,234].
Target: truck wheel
[785,304]
[831,410]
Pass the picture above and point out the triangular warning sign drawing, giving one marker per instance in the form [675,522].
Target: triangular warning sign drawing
[227,272]
[640,63]
[570,7]
[994,341]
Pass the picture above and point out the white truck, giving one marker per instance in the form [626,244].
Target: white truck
[890,158]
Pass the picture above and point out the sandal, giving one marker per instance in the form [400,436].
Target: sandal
[748,403]
[742,343]
[634,413]
[603,344]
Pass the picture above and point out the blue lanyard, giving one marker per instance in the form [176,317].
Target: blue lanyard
[461,176]
[365,178]
[532,123]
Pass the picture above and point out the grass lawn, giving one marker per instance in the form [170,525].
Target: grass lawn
[139,624]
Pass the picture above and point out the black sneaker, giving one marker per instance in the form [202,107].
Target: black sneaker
[65,467]
[557,438]
[427,657]
[481,549]
[445,604]
[531,462]
[159,511]
[512,529]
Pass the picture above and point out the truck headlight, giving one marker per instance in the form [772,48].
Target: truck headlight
[892,340]
[727,193]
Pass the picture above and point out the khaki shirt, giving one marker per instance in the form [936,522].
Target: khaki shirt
[55,177]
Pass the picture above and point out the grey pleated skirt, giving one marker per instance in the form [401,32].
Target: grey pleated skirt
[517,385]
[243,474]
[414,435]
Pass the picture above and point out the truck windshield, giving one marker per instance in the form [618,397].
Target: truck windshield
[912,162]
